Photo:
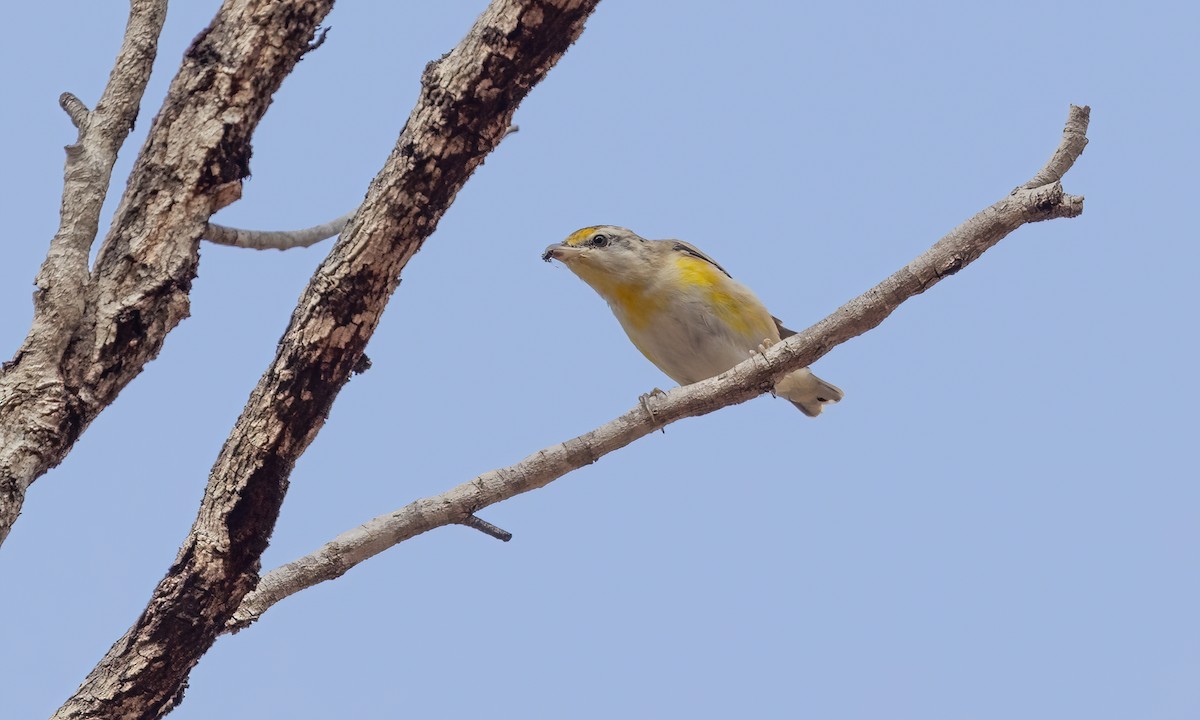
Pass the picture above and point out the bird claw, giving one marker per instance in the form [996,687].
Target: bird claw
[644,400]
[762,349]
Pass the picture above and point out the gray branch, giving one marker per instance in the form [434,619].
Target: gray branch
[276,239]
[75,109]
[748,380]
[1068,151]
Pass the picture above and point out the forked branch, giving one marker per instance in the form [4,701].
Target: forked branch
[40,417]
[466,104]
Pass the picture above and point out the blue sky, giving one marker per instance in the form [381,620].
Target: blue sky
[1001,519]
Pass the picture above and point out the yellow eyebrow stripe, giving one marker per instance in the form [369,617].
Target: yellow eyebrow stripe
[579,236]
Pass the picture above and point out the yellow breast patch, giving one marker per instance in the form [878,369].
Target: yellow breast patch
[628,299]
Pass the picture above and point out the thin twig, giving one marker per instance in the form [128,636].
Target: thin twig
[287,239]
[1068,151]
[276,239]
[324,33]
[486,528]
[75,109]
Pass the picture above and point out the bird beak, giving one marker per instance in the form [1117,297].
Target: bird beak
[559,251]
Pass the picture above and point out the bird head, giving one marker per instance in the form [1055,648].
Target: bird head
[606,256]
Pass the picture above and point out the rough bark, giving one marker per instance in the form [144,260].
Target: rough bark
[40,416]
[466,104]
[93,333]
[1028,203]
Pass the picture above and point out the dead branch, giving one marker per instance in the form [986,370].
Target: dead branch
[487,528]
[276,239]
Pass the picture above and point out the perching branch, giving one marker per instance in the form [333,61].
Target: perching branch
[748,380]
[39,414]
[286,239]
[466,103]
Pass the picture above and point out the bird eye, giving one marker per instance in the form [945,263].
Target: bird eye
[599,240]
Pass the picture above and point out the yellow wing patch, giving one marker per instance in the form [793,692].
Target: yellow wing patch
[696,272]
[733,305]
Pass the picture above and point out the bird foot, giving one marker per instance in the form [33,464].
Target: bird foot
[644,400]
[762,349]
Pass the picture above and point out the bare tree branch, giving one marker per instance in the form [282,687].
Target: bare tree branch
[319,41]
[276,239]
[487,528]
[748,380]
[1068,151]
[466,103]
[286,239]
[75,109]
[38,416]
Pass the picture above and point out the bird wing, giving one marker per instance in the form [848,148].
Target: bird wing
[690,249]
[783,332]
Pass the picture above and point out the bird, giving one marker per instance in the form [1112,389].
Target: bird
[682,310]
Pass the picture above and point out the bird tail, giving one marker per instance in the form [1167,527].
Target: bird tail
[807,391]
